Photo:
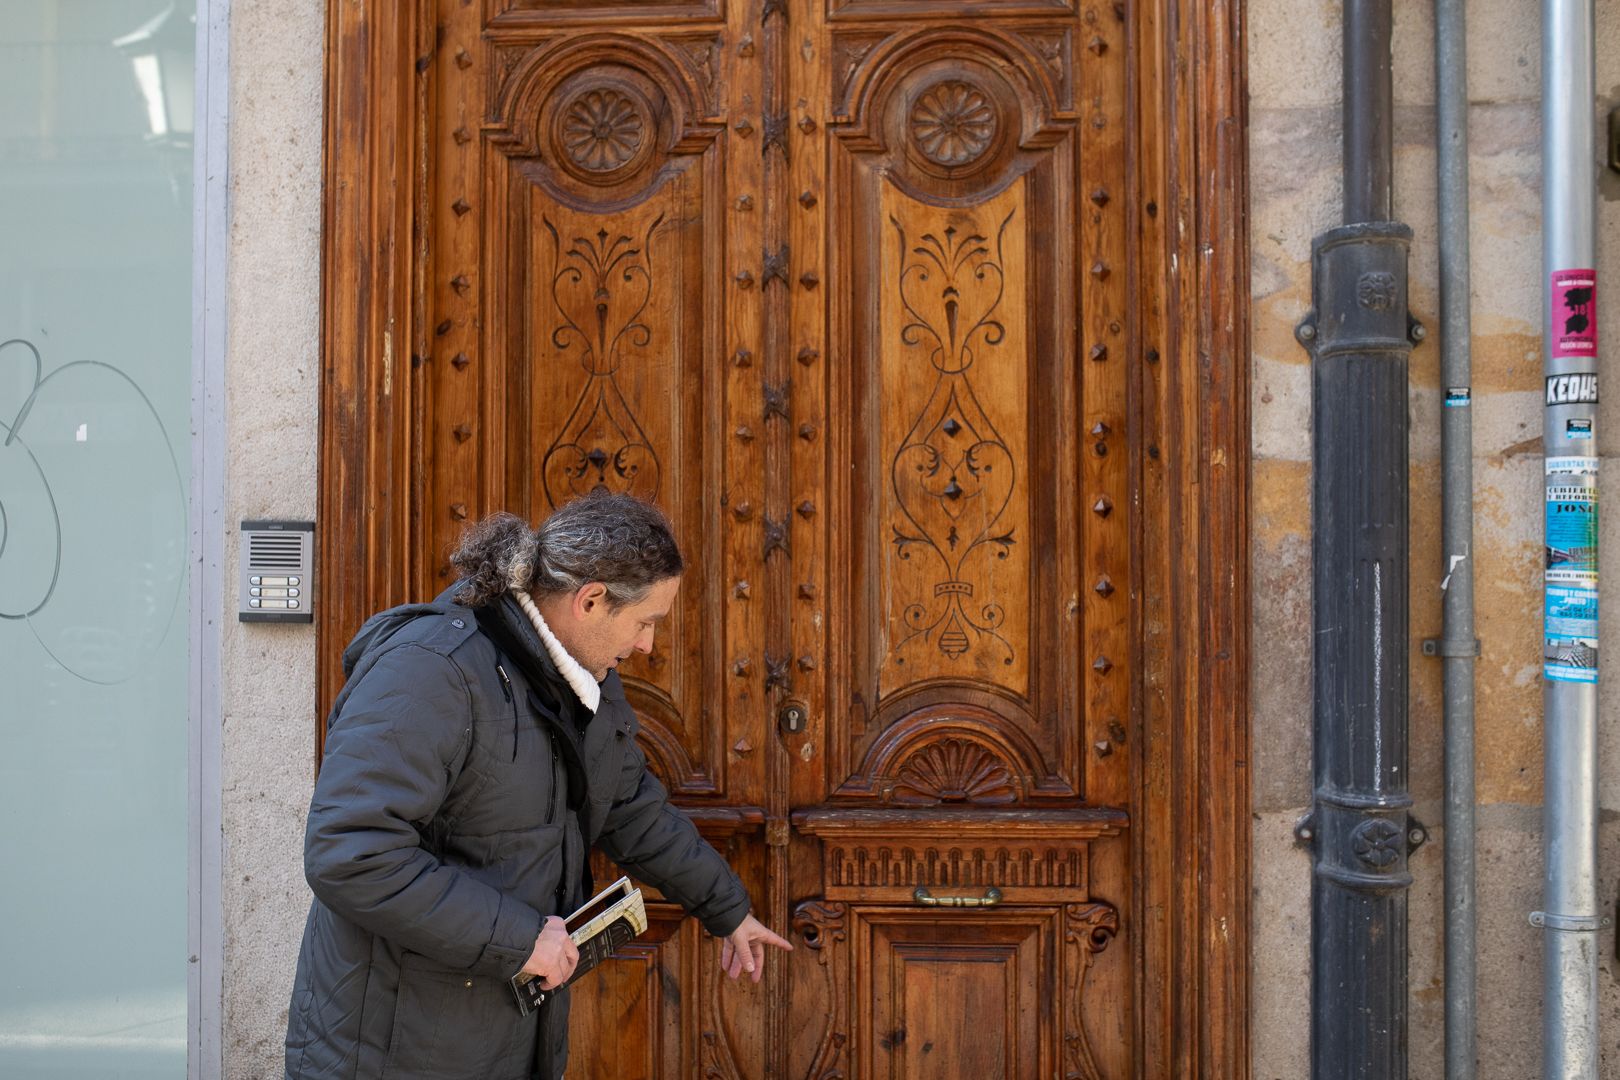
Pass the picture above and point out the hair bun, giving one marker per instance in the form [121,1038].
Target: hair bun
[495,555]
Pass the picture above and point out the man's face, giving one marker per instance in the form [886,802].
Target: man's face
[600,636]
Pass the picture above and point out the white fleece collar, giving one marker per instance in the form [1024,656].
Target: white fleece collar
[582,682]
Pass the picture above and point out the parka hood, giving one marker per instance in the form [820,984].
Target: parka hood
[378,630]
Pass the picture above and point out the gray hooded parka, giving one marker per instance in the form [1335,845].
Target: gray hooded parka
[461,787]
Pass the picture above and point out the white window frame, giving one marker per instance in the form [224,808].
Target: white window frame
[205,1006]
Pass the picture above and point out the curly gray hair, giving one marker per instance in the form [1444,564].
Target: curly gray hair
[624,542]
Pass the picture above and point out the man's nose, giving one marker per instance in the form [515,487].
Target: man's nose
[644,643]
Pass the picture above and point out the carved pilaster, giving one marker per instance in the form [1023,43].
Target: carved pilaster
[820,926]
[1087,930]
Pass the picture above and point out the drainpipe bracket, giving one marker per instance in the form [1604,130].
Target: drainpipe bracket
[1438,647]
[1359,293]
[1305,332]
[1570,923]
[1417,834]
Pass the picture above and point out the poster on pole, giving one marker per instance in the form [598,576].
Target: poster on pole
[1571,636]
[1572,541]
[1570,624]
[1574,314]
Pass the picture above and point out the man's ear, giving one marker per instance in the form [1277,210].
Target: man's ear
[589,597]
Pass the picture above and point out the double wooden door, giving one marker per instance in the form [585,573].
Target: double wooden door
[847,287]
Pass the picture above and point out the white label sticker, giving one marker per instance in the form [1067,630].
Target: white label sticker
[1572,466]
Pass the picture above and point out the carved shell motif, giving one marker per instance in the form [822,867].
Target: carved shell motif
[954,770]
[953,123]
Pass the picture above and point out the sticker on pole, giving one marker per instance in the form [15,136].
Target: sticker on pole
[1580,388]
[1571,466]
[1570,645]
[1574,314]
[1572,535]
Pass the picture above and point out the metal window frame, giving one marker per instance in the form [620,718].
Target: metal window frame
[205,1006]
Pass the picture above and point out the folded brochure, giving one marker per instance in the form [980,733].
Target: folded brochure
[598,928]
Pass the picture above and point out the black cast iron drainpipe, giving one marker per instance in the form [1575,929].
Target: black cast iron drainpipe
[1360,830]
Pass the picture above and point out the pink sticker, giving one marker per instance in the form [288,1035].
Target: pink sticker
[1574,313]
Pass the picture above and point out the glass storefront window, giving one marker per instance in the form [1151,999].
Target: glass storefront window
[95,385]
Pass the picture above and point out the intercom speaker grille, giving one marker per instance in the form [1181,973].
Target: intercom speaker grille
[275,551]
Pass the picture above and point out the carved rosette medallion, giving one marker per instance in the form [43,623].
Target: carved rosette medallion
[602,130]
[953,123]
[953,475]
[601,289]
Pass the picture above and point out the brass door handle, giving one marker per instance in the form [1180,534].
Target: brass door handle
[991,897]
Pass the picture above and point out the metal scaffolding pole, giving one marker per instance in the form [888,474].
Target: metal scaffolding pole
[1570,633]
[1457,645]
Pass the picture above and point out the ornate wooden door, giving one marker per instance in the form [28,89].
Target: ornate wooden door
[850,288]
[841,293]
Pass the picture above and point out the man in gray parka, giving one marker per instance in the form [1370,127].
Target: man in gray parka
[481,746]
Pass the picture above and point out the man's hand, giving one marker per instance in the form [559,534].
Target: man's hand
[744,950]
[555,956]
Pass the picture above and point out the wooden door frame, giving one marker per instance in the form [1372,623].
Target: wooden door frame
[1190,405]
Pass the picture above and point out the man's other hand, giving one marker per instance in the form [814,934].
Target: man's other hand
[555,956]
[744,950]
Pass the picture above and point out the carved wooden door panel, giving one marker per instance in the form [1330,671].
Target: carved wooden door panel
[962,617]
[840,284]
[586,210]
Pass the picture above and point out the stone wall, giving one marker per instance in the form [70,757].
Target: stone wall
[1294,51]
[272,376]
